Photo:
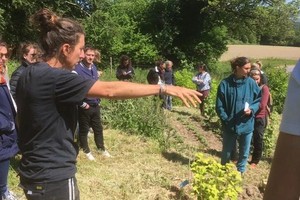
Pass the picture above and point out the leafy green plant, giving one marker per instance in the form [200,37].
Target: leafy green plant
[184,78]
[277,82]
[213,181]
[187,122]
[12,66]
[271,134]
[142,116]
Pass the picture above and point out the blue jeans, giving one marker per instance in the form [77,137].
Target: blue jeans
[4,168]
[168,102]
[229,144]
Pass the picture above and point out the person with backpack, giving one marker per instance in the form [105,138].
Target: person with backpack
[156,75]
[203,82]
[261,118]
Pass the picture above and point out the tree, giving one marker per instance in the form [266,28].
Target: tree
[182,30]
[256,21]
[113,28]
[14,17]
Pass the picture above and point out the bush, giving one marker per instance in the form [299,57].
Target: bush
[213,181]
[142,116]
[271,134]
[278,83]
[183,79]
[12,66]
[212,121]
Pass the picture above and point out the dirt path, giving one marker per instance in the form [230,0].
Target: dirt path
[261,51]
[189,125]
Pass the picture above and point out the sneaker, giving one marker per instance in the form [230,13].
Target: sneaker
[234,161]
[106,153]
[9,196]
[90,156]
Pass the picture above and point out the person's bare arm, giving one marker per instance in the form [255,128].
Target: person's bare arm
[127,90]
[284,178]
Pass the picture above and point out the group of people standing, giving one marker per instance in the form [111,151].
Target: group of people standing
[162,74]
[47,96]
[241,104]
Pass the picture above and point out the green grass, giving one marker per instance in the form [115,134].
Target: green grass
[137,170]
[140,170]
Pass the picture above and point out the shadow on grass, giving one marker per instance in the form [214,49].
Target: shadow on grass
[213,152]
[15,161]
[267,159]
[175,157]
[182,113]
[178,193]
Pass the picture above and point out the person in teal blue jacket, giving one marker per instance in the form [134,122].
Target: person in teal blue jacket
[237,102]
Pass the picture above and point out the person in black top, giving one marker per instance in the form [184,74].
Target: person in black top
[125,71]
[169,80]
[156,74]
[47,96]
[28,55]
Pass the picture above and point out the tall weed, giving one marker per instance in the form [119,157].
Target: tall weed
[135,116]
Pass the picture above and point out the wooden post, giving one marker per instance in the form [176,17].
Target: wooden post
[111,66]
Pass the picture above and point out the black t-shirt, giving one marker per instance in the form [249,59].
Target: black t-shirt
[47,115]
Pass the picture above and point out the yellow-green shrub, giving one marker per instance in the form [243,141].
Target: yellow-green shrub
[213,181]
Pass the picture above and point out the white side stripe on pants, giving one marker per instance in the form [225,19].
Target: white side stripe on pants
[71,189]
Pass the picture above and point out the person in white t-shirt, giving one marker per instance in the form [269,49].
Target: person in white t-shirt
[284,178]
